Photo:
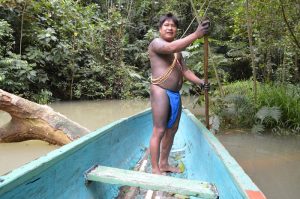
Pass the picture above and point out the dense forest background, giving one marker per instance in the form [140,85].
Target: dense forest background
[97,49]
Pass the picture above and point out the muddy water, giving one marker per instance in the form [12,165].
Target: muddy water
[272,162]
[17,154]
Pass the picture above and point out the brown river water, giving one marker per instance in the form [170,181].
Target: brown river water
[272,162]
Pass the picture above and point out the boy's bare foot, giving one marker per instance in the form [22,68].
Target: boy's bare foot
[169,168]
[159,172]
[156,171]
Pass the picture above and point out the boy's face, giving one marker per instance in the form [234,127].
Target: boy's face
[168,30]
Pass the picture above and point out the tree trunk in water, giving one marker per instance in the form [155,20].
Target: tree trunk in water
[30,120]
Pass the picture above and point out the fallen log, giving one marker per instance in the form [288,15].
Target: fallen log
[30,120]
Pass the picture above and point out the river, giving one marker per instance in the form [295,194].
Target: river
[272,162]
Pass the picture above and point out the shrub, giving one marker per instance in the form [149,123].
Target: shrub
[277,105]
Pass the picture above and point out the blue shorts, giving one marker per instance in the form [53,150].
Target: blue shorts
[175,101]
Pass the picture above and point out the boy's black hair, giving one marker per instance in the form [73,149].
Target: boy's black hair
[168,16]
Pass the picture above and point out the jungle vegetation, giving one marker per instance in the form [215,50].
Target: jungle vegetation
[97,49]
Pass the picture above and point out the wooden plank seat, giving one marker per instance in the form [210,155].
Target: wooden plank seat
[152,181]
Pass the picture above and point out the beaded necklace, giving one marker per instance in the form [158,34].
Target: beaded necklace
[166,75]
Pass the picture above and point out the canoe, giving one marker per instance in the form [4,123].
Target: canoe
[119,146]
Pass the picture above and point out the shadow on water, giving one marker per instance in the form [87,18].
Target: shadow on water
[272,162]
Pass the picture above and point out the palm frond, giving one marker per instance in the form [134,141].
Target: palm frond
[257,128]
[268,113]
[215,123]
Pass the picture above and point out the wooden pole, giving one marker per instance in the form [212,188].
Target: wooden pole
[206,81]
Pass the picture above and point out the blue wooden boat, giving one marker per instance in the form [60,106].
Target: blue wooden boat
[63,173]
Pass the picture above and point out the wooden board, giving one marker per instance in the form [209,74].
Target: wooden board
[151,181]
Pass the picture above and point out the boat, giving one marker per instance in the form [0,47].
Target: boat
[67,172]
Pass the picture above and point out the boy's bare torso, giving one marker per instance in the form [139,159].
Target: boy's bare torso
[160,64]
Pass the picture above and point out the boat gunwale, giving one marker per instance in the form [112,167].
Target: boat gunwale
[21,174]
[240,178]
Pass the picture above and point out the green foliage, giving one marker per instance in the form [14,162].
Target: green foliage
[80,50]
[14,68]
[267,113]
[43,97]
[266,117]
[257,128]
[274,47]
[6,38]
[277,106]
[215,123]
[235,110]
[28,79]
[98,49]
[286,97]
[65,37]
[285,131]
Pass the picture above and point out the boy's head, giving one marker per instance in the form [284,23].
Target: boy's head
[168,16]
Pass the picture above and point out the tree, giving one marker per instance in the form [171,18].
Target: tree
[249,30]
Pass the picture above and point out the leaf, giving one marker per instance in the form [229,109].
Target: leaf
[266,113]
[53,38]
[262,113]
[181,167]
[215,123]
[275,113]
[135,75]
[257,128]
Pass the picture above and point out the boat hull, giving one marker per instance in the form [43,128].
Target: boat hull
[60,174]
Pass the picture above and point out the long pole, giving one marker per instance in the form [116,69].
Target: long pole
[205,68]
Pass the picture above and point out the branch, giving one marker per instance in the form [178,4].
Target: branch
[287,24]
